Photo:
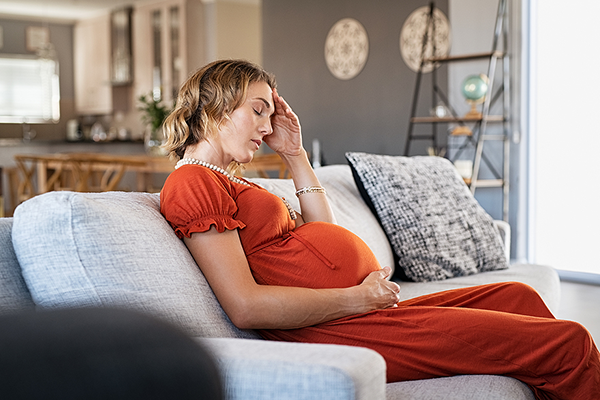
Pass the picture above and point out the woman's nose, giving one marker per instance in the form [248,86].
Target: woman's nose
[267,128]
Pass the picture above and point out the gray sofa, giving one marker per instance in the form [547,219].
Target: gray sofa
[65,249]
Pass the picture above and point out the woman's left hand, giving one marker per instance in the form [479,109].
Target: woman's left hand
[286,138]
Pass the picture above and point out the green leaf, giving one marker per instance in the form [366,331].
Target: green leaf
[153,112]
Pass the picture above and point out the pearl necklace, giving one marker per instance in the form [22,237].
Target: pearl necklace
[232,178]
[187,161]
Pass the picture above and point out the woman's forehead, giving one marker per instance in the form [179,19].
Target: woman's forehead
[260,91]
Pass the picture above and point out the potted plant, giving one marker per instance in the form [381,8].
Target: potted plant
[154,113]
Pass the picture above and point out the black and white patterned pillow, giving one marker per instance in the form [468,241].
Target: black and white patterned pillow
[434,224]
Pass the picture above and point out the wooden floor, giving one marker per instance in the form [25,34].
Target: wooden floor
[581,302]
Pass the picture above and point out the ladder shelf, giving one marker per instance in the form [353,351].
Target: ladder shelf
[473,129]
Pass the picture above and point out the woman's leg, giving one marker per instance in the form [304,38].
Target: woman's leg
[554,357]
[512,297]
[461,332]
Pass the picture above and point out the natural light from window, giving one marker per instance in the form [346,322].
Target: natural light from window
[564,108]
[29,90]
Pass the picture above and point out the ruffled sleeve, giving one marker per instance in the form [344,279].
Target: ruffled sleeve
[193,199]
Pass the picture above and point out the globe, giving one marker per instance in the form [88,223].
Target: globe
[475,87]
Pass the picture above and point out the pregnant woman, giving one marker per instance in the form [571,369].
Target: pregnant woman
[300,277]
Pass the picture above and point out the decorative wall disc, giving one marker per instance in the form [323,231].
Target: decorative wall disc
[411,38]
[346,48]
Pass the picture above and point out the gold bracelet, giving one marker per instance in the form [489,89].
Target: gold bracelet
[310,189]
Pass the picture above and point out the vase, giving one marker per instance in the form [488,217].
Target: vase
[153,141]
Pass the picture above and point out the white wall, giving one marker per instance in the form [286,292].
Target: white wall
[470,35]
[565,99]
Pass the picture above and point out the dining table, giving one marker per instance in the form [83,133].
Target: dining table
[102,172]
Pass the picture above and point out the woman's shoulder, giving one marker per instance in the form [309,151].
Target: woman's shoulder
[195,198]
[193,187]
[197,178]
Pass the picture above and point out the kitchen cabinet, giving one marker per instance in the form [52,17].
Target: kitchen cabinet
[170,39]
[173,38]
[169,44]
[93,90]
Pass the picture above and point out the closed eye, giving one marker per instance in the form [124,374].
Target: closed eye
[262,105]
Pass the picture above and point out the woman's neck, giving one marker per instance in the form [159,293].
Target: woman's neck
[207,152]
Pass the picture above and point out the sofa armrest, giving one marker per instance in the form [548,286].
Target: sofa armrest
[505,233]
[261,369]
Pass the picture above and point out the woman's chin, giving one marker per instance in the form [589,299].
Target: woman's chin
[245,160]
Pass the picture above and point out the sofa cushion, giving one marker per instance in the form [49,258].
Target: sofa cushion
[350,210]
[14,295]
[114,249]
[542,278]
[462,387]
[434,224]
[261,369]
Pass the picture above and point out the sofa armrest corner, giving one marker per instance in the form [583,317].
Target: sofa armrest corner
[505,233]
[262,369]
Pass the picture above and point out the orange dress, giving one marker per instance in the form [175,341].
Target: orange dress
[500,329]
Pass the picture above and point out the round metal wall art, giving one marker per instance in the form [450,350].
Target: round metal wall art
[346,48]
[411,38]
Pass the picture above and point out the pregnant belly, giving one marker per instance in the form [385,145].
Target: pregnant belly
[315,255]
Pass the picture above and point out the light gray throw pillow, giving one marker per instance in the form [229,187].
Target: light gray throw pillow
[434,224]
[114,249]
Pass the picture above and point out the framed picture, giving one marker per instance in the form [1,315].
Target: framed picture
[36,37]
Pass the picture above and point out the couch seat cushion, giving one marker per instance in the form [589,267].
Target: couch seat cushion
[542,278]
[462,387]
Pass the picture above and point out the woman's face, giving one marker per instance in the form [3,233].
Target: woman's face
[243,133]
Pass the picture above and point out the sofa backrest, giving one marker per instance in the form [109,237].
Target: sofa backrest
[114,249]
[14,295]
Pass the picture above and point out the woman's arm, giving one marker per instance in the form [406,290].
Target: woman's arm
[286,140]
[252,306]
[314,206]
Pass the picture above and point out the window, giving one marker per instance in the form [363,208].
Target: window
[29,90]
[564,142]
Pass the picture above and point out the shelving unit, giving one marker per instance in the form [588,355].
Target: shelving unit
[473,130]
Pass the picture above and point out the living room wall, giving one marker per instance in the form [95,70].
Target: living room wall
[367,113]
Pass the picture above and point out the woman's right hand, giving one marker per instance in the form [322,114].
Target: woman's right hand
[378,292]
[286,139]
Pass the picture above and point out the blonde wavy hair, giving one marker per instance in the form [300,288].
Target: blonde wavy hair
[208,98]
